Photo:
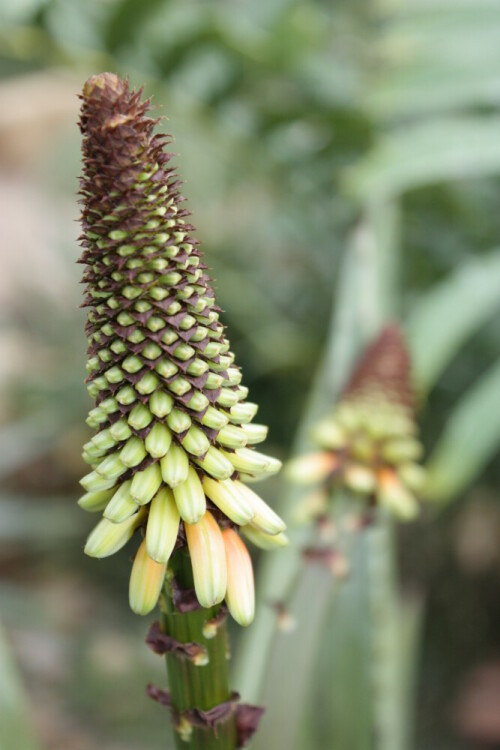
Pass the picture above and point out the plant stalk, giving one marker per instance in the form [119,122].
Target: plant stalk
[193,686]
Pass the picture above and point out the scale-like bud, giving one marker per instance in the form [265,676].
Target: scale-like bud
[173,427]
[369,444]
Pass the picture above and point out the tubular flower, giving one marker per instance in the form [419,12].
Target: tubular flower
[174,439]
[369,444]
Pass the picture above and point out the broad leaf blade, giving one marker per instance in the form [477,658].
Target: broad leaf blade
[449,314]
[469,441]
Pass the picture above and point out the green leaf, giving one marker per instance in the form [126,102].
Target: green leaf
[15,730]
[418,155]
[471,438]
[446,316]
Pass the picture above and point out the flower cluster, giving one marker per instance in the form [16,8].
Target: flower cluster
[173,449]
[369,444]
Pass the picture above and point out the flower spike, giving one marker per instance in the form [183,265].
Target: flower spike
[173,442]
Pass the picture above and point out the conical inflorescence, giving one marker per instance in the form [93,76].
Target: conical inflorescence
[369,444]
[174,443]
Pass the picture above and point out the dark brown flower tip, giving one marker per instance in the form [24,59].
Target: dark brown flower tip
[103,84]
[385,367]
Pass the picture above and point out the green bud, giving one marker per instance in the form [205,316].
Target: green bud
[216,464]
[133,452]
[264,517]
[163,526]
[145,484]
[329,434]
[111,467]
[178,420]
[232,437]
[95,501]
[359,478]
[120,430]
[227,397]
[139,417]
[190,498]
[198,401]
[126,395]
[158,440]
[161,404]
[214,419]
[402,450]
[121,506]
[147,384]
[250,461]
[174,466]
[108,537]
[93,482]
[255,433]
[225,495]
[103,441]
[179,386]
[242,413]
[197,368]
[262,540]
[195,441]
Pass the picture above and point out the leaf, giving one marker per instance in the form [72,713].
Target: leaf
[15,731]
[418,155]
[470,439]
[451,312]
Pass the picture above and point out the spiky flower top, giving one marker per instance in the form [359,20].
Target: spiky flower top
[174,439]
[369,444]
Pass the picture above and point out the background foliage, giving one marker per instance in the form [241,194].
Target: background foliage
[342,162]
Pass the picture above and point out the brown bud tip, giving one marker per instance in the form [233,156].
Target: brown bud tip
[103,82]
[385,366]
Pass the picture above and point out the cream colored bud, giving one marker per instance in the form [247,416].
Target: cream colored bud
[158,440]
[122,505]
[262,540]
[145,484]
[163,525]
[146,581]
[208,559]
[225,495]
[108,537]
[190,498]
[174,466]
[216,464]
[264,517]
[240,593]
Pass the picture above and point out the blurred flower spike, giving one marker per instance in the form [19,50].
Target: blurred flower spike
[369,445]
[174,442]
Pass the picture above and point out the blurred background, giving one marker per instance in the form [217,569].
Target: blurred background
[310,134]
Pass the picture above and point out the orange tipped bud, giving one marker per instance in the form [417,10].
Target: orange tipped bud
[394,496]
[240,594]
[208,558]
[312,467]
[146,581]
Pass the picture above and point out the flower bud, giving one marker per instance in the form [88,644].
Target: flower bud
[225,495]
[133,452]
[122,505]
[311,467]
[232,437]
[394,496]
[108,537]
[359,478]
[163,525]
[251,462]
[216,464]
[95,501]
[255,433]
[158,440]
[174,466]
[145,484]
[93,482]
[262,540]
[264,518]
[146,581]
[208,558]
[240,593]
[190,498]
[195,441]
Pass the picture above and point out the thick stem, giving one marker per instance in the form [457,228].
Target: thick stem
[197,686]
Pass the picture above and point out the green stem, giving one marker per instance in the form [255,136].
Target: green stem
[197,686]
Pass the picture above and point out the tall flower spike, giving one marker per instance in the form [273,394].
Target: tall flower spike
[369,444]
[173,426]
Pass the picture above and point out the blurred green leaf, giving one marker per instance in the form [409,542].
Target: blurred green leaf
[446,316]
[15,729]
[423,154]
[470,439]
[125,21]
